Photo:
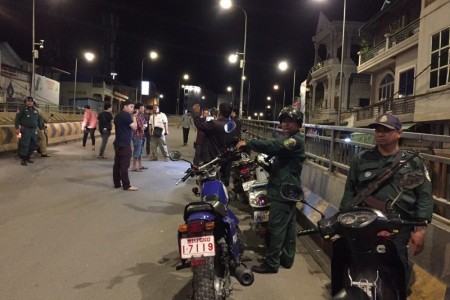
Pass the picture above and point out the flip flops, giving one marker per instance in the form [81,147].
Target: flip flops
[143,168]
[136,170]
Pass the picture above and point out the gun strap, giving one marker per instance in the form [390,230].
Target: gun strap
[397,164]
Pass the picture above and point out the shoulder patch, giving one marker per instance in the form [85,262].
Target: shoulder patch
[290,143]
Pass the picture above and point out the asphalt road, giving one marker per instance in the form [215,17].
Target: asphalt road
[66,233]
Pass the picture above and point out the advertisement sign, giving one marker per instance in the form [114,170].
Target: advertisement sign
[46,90]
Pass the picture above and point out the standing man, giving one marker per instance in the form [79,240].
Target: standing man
[159,129]
[415,204]
[138,138]
[199,157]
[287,166]
[42,136]
[124,122]
[89,125]
[105,119]
[148,113]
[186,123]
[26,123]
[216,139]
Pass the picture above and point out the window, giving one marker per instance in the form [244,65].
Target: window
[439,66]
[406,85]
[386,90]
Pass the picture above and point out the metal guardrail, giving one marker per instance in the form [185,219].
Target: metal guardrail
[334,147]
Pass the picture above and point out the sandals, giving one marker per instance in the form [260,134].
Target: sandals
[143,168]
[136,170]
[132,189]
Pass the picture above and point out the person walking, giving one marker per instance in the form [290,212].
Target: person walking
[124,123]
[89,125]
[138,138]
[186,123]
[159,128]
[289,155]
[415,204]
[105,120]
[27,122]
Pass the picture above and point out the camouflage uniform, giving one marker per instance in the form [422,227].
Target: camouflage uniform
[29,121]
[286,168]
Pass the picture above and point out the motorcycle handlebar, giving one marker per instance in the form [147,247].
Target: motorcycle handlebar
[307,231]
[415,223]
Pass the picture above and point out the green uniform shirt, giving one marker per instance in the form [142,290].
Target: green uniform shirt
[27,117]
[287,165]
[367,165]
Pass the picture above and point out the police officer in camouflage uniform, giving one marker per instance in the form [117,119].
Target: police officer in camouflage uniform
[413,205]
[28,119]
[287,166]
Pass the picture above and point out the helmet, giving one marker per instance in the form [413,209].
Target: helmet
[291,112]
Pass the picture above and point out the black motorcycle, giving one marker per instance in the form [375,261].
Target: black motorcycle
[365,263]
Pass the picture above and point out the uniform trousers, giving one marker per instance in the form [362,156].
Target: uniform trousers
[282,236]
[28,142]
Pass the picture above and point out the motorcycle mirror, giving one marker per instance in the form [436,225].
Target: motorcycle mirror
[412,180]
[292,192]
[175,155]
[229,126]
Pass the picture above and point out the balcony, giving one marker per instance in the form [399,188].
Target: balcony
[395,43]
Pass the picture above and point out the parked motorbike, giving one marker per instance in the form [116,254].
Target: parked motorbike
[210,241]
[365,263]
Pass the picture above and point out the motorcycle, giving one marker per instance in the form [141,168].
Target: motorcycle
[256,190]
[365,263]
[210,241]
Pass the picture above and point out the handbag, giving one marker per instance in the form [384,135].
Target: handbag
[157,131]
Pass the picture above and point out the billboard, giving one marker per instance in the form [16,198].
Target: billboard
[46,90]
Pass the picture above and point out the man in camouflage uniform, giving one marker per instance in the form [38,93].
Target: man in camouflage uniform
[287,166]
[415,204]
[27,122]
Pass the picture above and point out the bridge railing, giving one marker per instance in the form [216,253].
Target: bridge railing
[334,147]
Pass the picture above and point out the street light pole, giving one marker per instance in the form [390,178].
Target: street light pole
[32,91]
[142,76]
[75,85]
[241,100]
[338,121]
[293,88]
[226,4]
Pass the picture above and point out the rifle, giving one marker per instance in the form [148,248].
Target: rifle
[366,194]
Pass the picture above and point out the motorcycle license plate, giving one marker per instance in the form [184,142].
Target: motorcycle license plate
[261,216]
[246,185]
[197,246]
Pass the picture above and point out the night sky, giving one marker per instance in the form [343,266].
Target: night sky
[191,36]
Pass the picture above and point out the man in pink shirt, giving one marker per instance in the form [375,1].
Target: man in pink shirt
[89,125]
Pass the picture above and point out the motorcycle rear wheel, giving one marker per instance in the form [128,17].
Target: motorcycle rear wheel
[204,281]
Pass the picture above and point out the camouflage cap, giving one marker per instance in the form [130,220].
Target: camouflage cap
[388,121]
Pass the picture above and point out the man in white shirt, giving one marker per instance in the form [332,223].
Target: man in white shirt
[158,126]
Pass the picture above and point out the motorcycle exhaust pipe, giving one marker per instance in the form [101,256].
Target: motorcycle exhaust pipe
[244,275]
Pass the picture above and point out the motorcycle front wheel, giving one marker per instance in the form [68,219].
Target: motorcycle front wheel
[206,284]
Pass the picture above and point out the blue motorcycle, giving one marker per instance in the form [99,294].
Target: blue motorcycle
[210,241]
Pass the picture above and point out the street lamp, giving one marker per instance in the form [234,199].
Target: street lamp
[227,4]
[153,55]
[231,90]
[283,66]
[338,120]
[185,77]
[89,56]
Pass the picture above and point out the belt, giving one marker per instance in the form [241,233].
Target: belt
[28,127]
